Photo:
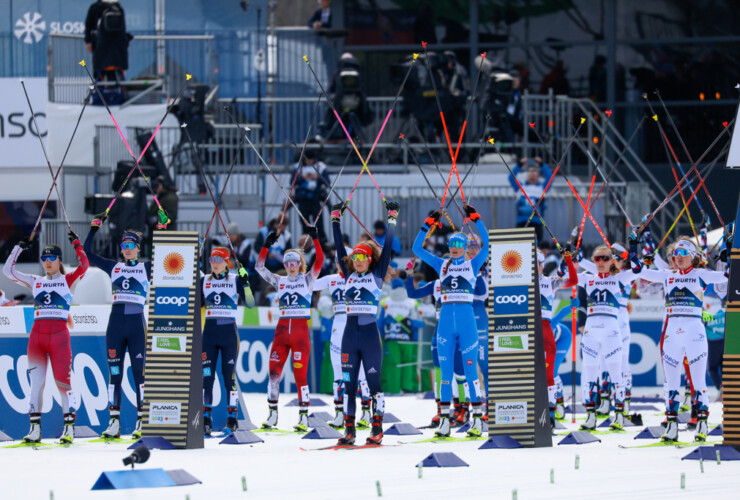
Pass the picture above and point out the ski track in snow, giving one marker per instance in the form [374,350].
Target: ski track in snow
[277,468]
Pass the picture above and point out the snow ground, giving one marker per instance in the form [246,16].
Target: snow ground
[278,468]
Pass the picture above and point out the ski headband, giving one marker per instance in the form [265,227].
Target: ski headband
[474,242]
[686,245]
[363,249]
[220,252]
[52,250]
[291,257]
[458,237]
[132,237]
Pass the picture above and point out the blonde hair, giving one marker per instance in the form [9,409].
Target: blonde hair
[302,269]
[696,261]
[613,269]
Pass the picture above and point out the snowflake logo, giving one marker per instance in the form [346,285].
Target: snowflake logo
[30,27]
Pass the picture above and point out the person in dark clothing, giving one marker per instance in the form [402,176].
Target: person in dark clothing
[322,17]
[107,40]
[167,196]
[310,190]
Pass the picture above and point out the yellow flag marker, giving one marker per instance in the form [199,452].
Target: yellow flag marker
[305,58]
[583,120]
[415,56]
[82,63]
[655,117]
[188,77]
[490,139]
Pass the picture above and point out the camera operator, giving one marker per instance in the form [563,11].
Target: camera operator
[107,40]
[348,97]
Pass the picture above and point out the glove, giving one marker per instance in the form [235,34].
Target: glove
[336,211]
[706,316]
[403,275]
[271,239]
[575,303]
[634,237]
[72,236]
[722,255]
[163,219]
[565,251]
[648,260]
[313,232]
[392,208]
[432,220]
[243,274]
[472,214]
[25,243]
[98,220]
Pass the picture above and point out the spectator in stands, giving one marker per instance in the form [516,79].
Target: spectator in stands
[534,188]
[274,261]
[597,79]
[379,235]
[322,17]
[107,40]
[310,190]
[556,80]
[242,245]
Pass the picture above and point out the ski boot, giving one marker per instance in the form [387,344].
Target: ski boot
[207,422]
[463,416]
[686,402]
[365,418]
[350,432]
[590,423]
[560,407]
[671,430]
[436,418]
[68,435]
[456,409]
[302,425]
[485,412]
[476,426]
[627,401]
[114,426]
[231,425]
[137,428]
[604,404]
[376,432]
[701,426]
[618,424]
[272,417]
[444,428]
[338,421]
[692,423]
[34,433]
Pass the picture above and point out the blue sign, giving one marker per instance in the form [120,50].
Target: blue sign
[511,300]
[171,301]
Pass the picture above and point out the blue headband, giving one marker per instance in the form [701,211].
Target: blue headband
[133,237]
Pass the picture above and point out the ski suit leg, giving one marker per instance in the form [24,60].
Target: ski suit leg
[446,343]
[612,354]
[716,351]
[278,355]
[37,363]
[229,349]
[697,355]
[371,357]
[591,348]
[135,328]
[60,356]
[337,331]
[468,339]
[209,360]
[351,359]
[115,342]
[626,331]
[458,388]
[550,350]
[674,350]
[300,346]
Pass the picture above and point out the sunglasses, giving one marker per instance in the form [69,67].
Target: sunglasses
[292,263]
[216,260]
[681,252]
[127,245]
[50,258]
[602,258]
[360,257]
[456,244]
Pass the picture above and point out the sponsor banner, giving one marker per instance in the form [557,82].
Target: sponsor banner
[171,344]
[164,413]
[503,343]
[18,135]
[511,300]
[89,319]
[12,320]
[511,412]
[171,325]
[506,325]
[171,301]
[511,264]
[646,309]
[173,266]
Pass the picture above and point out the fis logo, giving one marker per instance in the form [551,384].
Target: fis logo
[171,301]
[511,300]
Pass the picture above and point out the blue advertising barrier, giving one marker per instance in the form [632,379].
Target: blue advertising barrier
[90,374]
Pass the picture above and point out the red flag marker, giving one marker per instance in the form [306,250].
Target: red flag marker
[608,113]
[550,123]
[483,55]
[531,125]
[724,124]
[400,136]
[424,44]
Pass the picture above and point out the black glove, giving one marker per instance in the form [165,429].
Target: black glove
[72,237]
[271,239]
[723,255]
[25,243]
[336,211]
[403,275]
[98,220]
[313,232]
[472,214]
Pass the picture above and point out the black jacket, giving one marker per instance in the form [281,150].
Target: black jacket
[110,47]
